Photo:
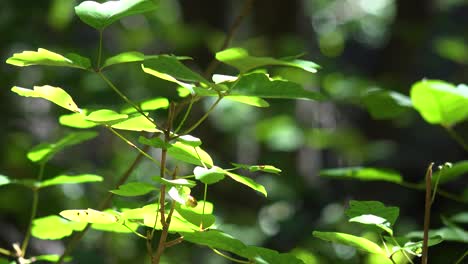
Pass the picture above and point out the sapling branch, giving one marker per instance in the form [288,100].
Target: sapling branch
[427,213]
[99,51]
[212,107]
[35,202]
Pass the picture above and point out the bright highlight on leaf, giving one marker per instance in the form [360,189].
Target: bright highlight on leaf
[359,243]
[385,104]
[240,59]
[99,16]
[48,58]
[440,102]
[363,174]
[208,176]
[67,179]
[43,152]
[90,216]
[247,182]
[54,227]
[55,95]
[104,116]
[148,105]
[253,168]
[126,57]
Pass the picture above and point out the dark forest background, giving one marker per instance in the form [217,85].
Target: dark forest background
[359,44]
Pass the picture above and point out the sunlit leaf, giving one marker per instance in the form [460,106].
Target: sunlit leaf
[190,140]
[102,15]
[363,174]
[412,247]
[359,243]
[452,173]
[4,180]
[54,227]
[134,189]
[90,216]
[67,179]
[136,122]
[247,182]
[194,216]
[29,183]
[385,104]
[148,105]
[253,168]
[240,59]
[43,152]
[180,194]
[48,58]
[440,102]
[461,217]
[125,57]
[269,256]
[176,182]
[76,120]
[260,85]
[51,258]
[193,155]
[373,213]
[55,95]
[105,116]
[208,176]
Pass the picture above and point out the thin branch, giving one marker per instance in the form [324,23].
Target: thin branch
[459,260]
[174,242]
[427,213]
[99,51]
[204,116]
[234,27]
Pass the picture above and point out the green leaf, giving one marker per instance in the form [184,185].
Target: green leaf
[134,189]
[99,16]
[254,168]
[55,95]
[190,140]
[240,59]
[186,153]
[373,213]
[356,242]
[269,256]
[66,179]
[54,227]
[248,182]
[43,152]
[385,104]
[51,258]
[178,223]
[76,120]
[90,216]
[412,247]
[452,48]
[259,84]
[176,182]
[105,116]
[48,58]
[452,173]
[136,122]
[194,215]
[155,142]
[148,105]
[440,102]
[29,183]
[4,180]
[125,57]
[363,174]
[461,217]
[209,176]
[248,100]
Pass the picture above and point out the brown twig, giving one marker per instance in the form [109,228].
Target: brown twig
[427,213]
[234,27]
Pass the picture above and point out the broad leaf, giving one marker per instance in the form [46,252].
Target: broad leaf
[76,120]
[99,16]
[240,59]
[43,152]
[148,105]
[176,182]
[105,116]
[385,104]
[190,140]
[51,258]
[209,176]
[66,179]
[248,100]
[253,168]
[48,58]
[186,153]
[134,189]
[412,247]
[180,194]
[196,216]
[440,102]
[171,69]
[260,85]
[248,182]
[125,57]
[90,216]
[55,95]
[4,180]
[54,227]
[359,243]
[373,213]
[29,183]
[136,122]
[178,223]
[269,256]
[363,174]
[461,217]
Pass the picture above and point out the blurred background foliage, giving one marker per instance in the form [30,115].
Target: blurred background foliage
[362,46]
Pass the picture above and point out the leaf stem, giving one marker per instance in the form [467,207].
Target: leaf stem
[427,213]
[6,252]
[126,99]
[204,116]
[35,202]
[185,116]
[230,258]
[99,51]
[443,193]
[457,137]
[203,208]
[459,260]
